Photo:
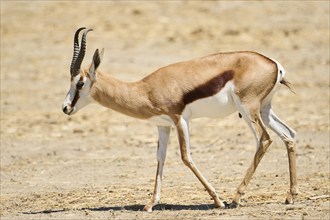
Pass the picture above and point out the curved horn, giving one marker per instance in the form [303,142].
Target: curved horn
[75,49]
[81,54]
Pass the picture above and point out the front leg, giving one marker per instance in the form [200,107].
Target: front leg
[163,136]
[183,134]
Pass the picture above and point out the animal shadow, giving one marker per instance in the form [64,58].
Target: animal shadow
[136,208]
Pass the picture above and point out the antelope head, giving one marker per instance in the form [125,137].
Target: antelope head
[82,80]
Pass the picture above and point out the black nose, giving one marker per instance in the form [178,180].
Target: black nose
[64,109]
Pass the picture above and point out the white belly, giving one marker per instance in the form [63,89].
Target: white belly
[216,106]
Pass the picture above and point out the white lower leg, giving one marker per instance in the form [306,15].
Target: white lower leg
[288,135]
[163,133]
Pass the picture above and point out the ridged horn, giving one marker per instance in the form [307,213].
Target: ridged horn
[81,55]
[75,49]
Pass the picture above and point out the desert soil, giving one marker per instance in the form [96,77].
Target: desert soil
[99,164]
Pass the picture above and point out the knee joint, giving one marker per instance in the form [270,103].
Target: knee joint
[290,145]
[186,160]
[265,143]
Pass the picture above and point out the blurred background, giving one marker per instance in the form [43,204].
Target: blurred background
[41,148]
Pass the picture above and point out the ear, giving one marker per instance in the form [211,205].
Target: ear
[95,64]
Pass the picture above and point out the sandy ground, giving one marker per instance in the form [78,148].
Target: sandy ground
[99,164]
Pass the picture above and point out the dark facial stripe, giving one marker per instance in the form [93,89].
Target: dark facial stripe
[210,88]
[75,99]
[77,96]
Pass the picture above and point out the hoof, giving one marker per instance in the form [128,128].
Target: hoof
[220,205]
[290,198]
[289,201]
[230,205]
[147,208]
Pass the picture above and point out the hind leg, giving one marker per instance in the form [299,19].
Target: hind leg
[288,137]
[251,114]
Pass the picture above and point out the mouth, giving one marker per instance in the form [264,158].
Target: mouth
[69,113]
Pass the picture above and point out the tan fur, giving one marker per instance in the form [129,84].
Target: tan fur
[162,91]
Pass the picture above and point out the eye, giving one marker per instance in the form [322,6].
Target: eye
[79,85]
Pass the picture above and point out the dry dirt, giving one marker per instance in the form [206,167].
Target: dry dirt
[99,164]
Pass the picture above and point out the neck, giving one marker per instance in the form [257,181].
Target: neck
[128,98]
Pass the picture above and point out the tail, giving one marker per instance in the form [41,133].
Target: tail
[287,84]
[281,73]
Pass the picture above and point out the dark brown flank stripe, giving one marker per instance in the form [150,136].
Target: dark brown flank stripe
[210,88]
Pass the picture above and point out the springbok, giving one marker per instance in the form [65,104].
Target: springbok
[212,86]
